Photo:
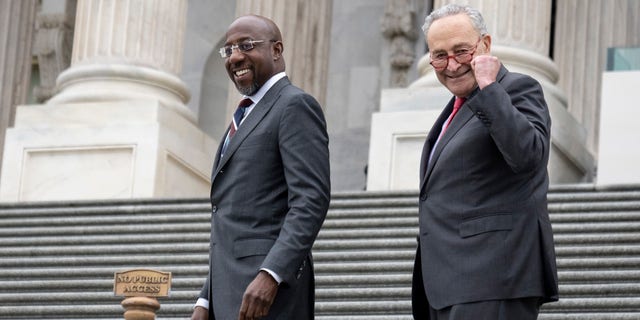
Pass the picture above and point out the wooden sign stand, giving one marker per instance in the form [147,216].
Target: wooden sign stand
[140,308]
[141,287]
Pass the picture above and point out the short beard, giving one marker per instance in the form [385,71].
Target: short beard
[248,91]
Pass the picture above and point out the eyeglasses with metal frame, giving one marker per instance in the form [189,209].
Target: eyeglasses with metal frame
[463,55]
[244,46]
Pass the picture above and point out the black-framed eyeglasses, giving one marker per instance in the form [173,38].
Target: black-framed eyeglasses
[243,46]
[462,55]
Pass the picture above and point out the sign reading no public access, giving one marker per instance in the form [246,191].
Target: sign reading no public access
[142,283]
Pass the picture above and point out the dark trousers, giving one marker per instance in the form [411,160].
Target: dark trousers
[511,309]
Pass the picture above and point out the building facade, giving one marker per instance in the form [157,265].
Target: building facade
[114,99]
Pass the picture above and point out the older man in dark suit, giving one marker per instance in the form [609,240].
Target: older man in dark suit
[270,187]
[485,244]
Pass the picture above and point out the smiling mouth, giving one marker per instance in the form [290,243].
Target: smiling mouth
[241,73]
[456,76]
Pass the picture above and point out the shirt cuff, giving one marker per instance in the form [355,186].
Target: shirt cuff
[202,303]
[275,276]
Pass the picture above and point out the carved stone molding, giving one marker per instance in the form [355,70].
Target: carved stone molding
[52,45]
[398,25]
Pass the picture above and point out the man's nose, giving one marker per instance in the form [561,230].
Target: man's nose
[236,55]
[452,64]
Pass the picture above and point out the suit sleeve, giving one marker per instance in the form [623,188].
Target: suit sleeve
[304,149]
[516,114]
[204,292]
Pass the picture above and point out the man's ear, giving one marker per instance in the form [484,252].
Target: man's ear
[277,48]
[486,40]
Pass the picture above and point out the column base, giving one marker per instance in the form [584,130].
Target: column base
[104,150]
[619,154]
[122,82]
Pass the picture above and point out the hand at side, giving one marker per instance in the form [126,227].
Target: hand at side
[258,297]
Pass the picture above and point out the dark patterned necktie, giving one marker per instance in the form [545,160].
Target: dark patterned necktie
[235,123]
[238,115]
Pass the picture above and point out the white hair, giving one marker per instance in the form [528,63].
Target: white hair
[452,9]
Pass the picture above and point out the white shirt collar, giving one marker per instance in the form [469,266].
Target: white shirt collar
[256,97]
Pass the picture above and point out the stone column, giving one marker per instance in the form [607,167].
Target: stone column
[125,50]
[306,31]
[16,32]
[118,126]
[602,100]
[584,31]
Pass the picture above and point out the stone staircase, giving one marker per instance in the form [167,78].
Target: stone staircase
[57,260]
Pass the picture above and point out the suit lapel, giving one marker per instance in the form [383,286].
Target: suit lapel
[432,137]
[249,123]
[219,151]
[461,118]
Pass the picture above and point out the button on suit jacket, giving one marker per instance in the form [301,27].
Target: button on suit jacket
[271,194]
[484,227]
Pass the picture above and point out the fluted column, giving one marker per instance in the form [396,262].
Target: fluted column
[16,31]
[583,29]
[119,127]
[126,50]
[306,31]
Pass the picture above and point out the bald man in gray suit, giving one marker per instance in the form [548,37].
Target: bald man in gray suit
[270,187]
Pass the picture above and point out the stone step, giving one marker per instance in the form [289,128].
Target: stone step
[162,254]
[180,272]
[599,235]
[588,217]
[383,274]
[170,312]
[17,240]
[339,200]
[102,250]
[104,208]
[182,290]
[106,260]
[607,211]
[595,206]
[582,197]
[29,245]
[371,216]
[613,315]
[125,229]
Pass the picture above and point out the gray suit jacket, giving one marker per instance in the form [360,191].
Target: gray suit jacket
[484,227]
[270,194]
